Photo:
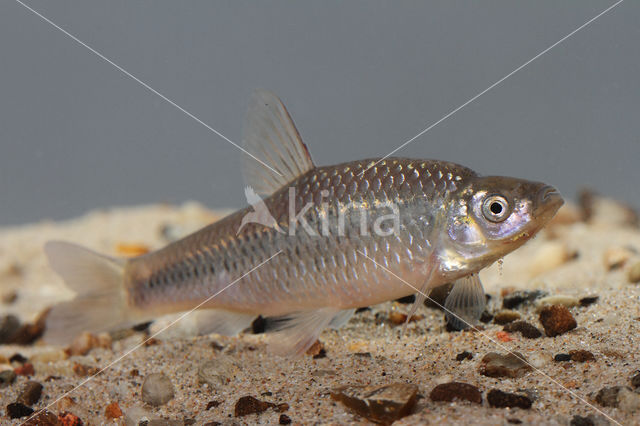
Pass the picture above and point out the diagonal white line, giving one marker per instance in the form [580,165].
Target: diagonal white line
[136,347]
[143,84]
[501,346]
[446,116]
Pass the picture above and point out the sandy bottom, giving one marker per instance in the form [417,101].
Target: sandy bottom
[567,259]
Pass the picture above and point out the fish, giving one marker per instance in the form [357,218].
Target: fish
[316,243]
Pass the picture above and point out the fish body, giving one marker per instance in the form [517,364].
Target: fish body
[322,242]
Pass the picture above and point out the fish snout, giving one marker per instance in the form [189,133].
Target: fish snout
[548,200]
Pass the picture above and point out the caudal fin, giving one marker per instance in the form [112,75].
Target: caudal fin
[100,302]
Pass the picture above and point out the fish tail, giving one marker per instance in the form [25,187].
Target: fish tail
[101,297]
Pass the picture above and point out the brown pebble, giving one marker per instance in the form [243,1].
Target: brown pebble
[456,390]
[556,320]
[317,350]
[382,404]
[581,355]
[634,273]
[29,333]
[284,419]
[82,344]
[69,419]
[511,365]
[615,257]
[250,405]
[506,316]
[635,380]
[608,396]
[25,370]
[7,377]
[464,355]
[31,393]
[84,370]
[43,418]
[134,372]
[526,329]
[500,399]
[113,411]
[589,300]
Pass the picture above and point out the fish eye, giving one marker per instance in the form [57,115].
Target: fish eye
[495,208]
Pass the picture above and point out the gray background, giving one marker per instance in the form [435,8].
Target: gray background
[359,77]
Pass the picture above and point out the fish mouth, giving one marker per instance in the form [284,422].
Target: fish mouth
[548,202]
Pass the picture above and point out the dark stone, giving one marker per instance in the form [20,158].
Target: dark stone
[250,405]
[31,393]
[557,320]
[142,326]
[581,421]
[407,300]
[29,333]
[581,355]
[514,421]
[464,355]
[9,325]
[500,399]
[381,404]
[517,298]
[512,365]
[486,317]
[259,325]
[456,390]
[523,327]
[18,358]
[562,357]
[213,404]
[7,377]
[586,301]
[16,410]
[608,397]
[284,419]
[635,380]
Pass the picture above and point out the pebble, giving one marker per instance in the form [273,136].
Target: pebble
[511,365]
[317,350]
[137,415]
[19,358]
[456,390]
[500,399]
[217,372]
[16,410]
[528,330]
[615,257]
[49,356]
[69,419]
[589,300]
[582,421]
[556,320]
[82,344]
[29,333]
[464,355]
[9,325]
[284,419]
[580,355]
[506,316]
[549,256]
[517,298]
[43,418]
[250,405]
[608,396]
[634,273]
[25,370]
[562,357]
[31,393]
[157,389]
[7,377]
[113,411]
[399,318]
[558,299]
[635,380]
[382,404]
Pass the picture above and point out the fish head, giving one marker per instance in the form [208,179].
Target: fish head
[491,216]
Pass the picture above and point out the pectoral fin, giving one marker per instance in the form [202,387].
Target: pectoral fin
[465,302]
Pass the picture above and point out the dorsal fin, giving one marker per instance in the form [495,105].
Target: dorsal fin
[270,135]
